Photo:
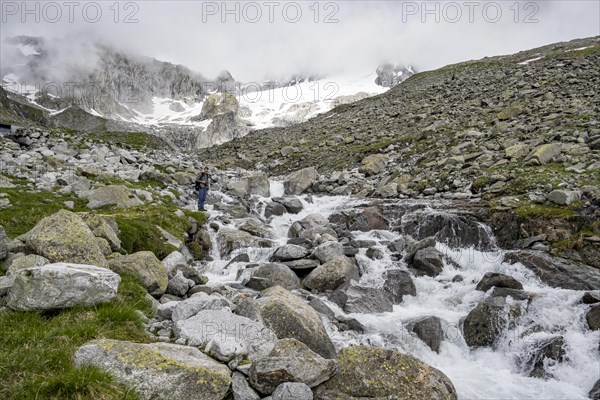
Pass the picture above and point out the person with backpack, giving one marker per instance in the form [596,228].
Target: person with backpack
[202,184]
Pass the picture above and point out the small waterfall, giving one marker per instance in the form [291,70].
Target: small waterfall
[498,372]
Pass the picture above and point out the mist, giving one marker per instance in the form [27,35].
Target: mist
[271,40]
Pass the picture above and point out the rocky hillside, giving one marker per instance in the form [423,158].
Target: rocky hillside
[508,125]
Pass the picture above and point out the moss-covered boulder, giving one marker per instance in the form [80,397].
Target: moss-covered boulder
[289,317]
[373,164]
[332,274]
[22,261]
[158,370]
[374,373]
[65,237]
[113,195]
[144,265]
[104,226]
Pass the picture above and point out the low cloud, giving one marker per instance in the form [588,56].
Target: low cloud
[272,40]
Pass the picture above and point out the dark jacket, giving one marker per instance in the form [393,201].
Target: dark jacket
[203,180]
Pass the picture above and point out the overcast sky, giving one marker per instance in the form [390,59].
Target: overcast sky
[276,39]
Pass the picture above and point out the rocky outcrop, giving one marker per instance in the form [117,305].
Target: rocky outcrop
[61,285]
[158,370]
[290,317]
[65,237]
[368,372]
[143,265]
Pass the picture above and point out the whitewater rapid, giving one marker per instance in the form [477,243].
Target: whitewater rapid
[484,373]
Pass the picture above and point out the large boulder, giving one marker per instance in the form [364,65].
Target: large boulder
[493,279]
[547,352]
[113,195]
[593,318]
[557,272]
[362,299]
[229,240]
[225,335]
[289,317]
[143,265]
[374,373]
[299,181]
[564,197]
[332,274]
[61,285]
[290,361]
[373,164]
[158,370]
[485,322]
[272,274]
[65,237]
[368,220]
[429,330]
[328,251]
[428,261]
[187,308]
[289,252]
[259,185]
[397,284]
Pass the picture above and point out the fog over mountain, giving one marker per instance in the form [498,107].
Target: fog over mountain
[281,38]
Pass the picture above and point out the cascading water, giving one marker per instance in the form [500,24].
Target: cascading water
[497,372]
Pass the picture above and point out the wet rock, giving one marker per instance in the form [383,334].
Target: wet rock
[289,252]
[319,306]
[259,185]
[293,205]
[428,261]
[397,284]
[548,350]
[290,361]
[430,331]
[368,372]
[485,322]
[332,274]
[229,240]
[595,392]
[143,265]
[190,375]
[255,228]
[272,274]
[362,299]
[290,317]
[302,265]
[300,181]
[514,293]
[344,323]
[557,272]
[61,285]
[591,297]
[593,318]
[328,251]
[493,279]
[368,220]
[225,335]
[274,209]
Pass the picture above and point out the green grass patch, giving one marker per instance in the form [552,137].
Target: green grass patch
[135,140]
[36,349]
[544,211]
[139,231]
[29,207]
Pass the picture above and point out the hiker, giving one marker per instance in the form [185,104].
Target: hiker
[202,183]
